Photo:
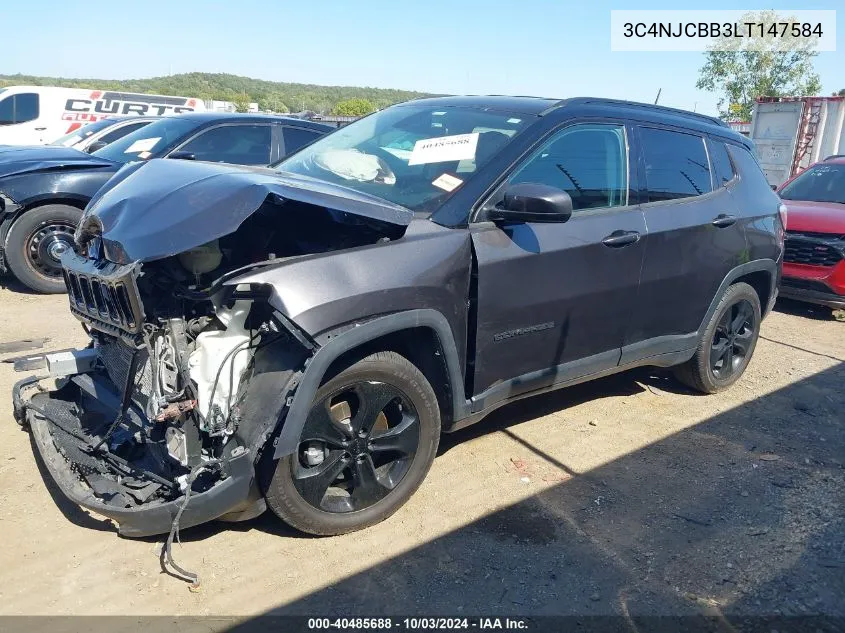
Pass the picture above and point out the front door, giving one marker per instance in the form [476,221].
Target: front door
[554,299]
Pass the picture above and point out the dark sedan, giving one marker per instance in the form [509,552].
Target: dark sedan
[43,190]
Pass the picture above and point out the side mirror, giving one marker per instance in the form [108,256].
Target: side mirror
[96,145]
[532,202]
[183,156]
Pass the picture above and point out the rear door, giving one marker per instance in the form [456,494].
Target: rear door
[553,300]
[695,237]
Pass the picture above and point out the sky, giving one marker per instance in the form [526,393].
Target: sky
[550,48]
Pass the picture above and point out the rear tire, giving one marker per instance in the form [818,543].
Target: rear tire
[370,457]
[35,243]
[727,343]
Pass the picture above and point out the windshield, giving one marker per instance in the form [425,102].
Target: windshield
[80,134]
[412,155]
[147,142]
[822,183]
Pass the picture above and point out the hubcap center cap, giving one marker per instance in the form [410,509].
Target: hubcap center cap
[358,447]
[57,249]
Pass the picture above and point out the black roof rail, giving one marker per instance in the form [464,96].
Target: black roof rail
[645,106]
[832,156]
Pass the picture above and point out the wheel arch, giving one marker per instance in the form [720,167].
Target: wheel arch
[423,336]
[761,274]
[71,200]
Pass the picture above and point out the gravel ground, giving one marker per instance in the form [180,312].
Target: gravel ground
[626,496]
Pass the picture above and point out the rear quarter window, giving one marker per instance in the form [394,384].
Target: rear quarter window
[723,169]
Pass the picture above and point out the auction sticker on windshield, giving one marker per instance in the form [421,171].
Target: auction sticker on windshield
[444,148]
[447,182]
[142,145]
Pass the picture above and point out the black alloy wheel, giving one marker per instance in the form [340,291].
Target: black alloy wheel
[725,343]
[365,447]
[732,340]
[356,447]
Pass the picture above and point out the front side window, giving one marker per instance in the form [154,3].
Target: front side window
[414,155]
[675,164]
[19,108]
[824,182]
[148,142]
[589,162]
[236,144]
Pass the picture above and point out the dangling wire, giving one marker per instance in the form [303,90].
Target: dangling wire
[166,557]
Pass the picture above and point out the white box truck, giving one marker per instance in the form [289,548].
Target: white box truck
[36,115]
[792,133]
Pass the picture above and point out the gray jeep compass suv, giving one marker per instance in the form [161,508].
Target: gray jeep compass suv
[299,336]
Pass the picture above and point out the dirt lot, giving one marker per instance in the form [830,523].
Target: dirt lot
[627,495]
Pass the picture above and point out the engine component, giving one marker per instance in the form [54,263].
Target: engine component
[217,364]
[177,446]
[173,410]
[202,259]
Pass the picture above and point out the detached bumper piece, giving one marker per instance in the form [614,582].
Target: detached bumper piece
[127,480]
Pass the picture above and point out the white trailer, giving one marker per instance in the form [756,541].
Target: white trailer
[792,133]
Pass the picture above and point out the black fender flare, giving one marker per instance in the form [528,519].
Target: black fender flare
[354,337]
[767,265]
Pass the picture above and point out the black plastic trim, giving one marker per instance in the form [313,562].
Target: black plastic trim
[355,337]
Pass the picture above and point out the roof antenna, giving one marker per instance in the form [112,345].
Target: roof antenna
[657,98]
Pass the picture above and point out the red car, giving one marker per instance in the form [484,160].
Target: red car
[814,258]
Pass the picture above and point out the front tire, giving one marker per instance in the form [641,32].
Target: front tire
[727,343]
[35,243]
[366,446]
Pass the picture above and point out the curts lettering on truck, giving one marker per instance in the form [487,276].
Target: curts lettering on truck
[37,115]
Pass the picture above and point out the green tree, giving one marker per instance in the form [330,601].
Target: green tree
[353,107]
[241,102]
[839,93]
[742,69]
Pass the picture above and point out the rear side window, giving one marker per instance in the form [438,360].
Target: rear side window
[19,108]
[722,166]
[297,137]
[675,164]
[121,131]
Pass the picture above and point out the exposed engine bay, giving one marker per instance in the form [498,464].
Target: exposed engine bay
[163,419]
[179,360]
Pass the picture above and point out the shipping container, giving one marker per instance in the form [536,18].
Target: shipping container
[792,133]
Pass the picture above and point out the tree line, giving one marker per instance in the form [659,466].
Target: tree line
[274,96]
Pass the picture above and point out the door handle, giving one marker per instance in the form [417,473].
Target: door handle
[40,129]
[621,238]
[722,220]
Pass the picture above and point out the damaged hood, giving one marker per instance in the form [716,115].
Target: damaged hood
[164,207]
[16,160]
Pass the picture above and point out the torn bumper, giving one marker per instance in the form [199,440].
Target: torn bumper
[65,461]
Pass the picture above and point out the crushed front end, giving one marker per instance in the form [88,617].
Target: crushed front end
[164,419]
[149,411]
